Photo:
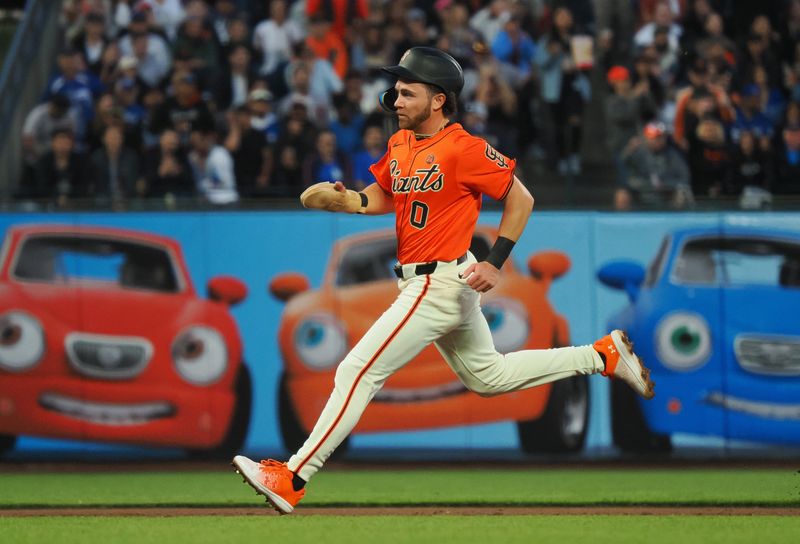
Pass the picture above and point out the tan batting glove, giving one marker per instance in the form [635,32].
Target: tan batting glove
[333,197]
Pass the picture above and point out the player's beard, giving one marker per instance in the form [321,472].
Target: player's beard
[412,123]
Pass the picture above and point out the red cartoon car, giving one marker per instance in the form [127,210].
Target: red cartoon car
[319,327]
[103,338]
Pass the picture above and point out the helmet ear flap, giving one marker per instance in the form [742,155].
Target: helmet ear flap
[387,99]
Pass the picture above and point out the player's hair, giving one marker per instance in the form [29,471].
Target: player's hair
[451,101]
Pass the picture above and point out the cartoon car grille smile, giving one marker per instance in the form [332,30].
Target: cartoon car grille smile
[106,413]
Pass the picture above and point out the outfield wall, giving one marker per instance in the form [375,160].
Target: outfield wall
[702,384]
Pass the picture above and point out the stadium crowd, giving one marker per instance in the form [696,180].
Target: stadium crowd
[229,99]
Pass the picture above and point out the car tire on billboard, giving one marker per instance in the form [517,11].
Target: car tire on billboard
[562,427]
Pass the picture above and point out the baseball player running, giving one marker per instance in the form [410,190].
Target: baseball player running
[433,176]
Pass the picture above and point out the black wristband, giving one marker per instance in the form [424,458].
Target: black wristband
[364,203]
[500,252]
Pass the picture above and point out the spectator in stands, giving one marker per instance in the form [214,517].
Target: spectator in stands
[38,129]
[491,19]
[788,151]
[715,38]
[150,49]
[750,119]
[80,87]
[326,44]
[372,49]
[92,42]
[116,172]
[196,38]
[164,15]
[224,12]
[565,91]
[663,17]
[252,157]
[700,95]
[348,124]
[772,101]
[657,173]
[126,96]
[314,83]
[342,13]
[755,55]
[456,29]
[167,168]
[513,46]
[235,80]
[626,109]
[327,163]
[666,59]
[501,106]
[263,118]
[60,173]
[275,37]
[287,178]
[751,166]
[373,148]
[616,23]
[152,101]
[645,80]
[212,165]
[185,111]
[107,112]
[709,156]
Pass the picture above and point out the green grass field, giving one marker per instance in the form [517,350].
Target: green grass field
[512,487]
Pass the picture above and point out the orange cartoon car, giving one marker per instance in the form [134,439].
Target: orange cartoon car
[319,327]
[103,338]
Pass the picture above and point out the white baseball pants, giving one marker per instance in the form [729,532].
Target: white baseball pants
[440,308]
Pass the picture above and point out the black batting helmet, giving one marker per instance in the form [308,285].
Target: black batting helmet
[425,65]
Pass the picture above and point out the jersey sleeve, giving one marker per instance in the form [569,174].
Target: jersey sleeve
[380,170]
[483,169]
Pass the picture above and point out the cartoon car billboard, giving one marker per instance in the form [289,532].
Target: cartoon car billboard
[715,317]
[103,338]
[319,326]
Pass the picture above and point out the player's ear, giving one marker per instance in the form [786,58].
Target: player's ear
[438,101]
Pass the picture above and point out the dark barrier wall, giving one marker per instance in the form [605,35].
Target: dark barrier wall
[211,331]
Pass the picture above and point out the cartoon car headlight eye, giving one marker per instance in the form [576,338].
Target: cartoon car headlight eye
[683,341]
[21,341]
[320,341]
[200,355]
[508,322]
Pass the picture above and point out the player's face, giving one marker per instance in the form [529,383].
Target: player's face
[413,104]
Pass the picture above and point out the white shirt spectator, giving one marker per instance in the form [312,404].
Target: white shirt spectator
[156,62]
[646,35]
[40,124]
[217,181]
[487,24]
[168,14]
[275,42]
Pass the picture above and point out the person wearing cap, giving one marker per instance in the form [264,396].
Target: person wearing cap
[750,118]
[625,110]
[263,117]
[149,48]
[657,175]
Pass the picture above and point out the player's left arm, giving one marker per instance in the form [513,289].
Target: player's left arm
[517,208]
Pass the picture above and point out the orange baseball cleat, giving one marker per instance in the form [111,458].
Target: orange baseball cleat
[623,363]
[272,479]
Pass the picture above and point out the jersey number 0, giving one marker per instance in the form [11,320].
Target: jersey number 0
[419,214]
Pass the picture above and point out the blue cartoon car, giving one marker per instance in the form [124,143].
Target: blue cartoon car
[715,316]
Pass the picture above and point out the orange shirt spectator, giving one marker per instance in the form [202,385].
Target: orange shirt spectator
[327,45]
[341,12]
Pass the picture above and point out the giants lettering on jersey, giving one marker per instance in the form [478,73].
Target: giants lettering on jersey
[424,179]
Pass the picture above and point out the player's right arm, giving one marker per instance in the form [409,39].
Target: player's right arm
[335,197]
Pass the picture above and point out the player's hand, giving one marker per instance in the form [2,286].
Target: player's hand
[481,276]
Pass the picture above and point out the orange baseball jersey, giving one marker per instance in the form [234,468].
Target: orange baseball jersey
[437,184]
